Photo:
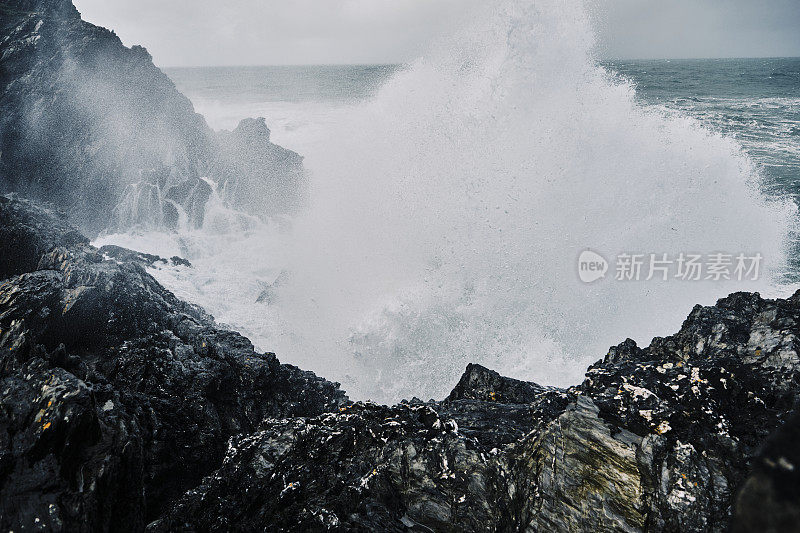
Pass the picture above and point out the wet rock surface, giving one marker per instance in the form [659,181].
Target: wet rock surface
[111,251]
[769,500]
[662,438]
[115,397]
[95,128]
[123,408]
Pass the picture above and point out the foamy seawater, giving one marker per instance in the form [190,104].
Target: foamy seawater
[451,199]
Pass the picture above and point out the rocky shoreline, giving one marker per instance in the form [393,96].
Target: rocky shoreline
[115,397]
[98,130]
[123,408]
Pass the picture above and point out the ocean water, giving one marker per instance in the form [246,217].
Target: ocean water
[755,101]
[451,198]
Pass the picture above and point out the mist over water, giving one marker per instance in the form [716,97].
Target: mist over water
[447,214]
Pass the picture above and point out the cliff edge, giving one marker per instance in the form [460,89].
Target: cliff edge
[95,128]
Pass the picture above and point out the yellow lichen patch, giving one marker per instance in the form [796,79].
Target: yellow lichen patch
[494,396]
[663,427]
[46,426]
[50,403]
[758,352]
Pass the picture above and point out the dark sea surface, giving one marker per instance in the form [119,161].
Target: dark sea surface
[756,101]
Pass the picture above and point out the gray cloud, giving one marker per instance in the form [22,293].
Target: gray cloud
[698,28]
[261,32]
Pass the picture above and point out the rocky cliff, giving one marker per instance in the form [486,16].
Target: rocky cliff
[97,129]
[123,408]
[115,397]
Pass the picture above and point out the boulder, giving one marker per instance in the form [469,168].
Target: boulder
[116,397]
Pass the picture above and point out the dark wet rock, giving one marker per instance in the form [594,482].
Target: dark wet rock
[116,397]
[705,399]
[479,383]
[655,439]
[192,195]
[28,231]
[122,407]
[769,500]
[366,468]
[95,128]
[111,251]
[180,261]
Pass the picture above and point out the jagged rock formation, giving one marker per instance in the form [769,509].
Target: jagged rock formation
[655,439]
[115,397]
[246,151]
[111,251]
[123,408]
[97,129]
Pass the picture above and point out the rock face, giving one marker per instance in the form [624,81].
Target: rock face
[655,439]
[123,408]
[770,498]
[115,397]
[97,129]
[246,152]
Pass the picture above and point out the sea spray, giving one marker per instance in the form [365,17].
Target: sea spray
[447,216]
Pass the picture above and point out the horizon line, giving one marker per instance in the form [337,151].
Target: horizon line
[397,64]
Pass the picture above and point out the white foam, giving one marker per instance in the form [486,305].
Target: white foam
[447,216]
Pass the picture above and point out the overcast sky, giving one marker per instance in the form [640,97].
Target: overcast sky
[267,32]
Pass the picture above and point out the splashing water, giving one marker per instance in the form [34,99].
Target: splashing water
[448,213]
